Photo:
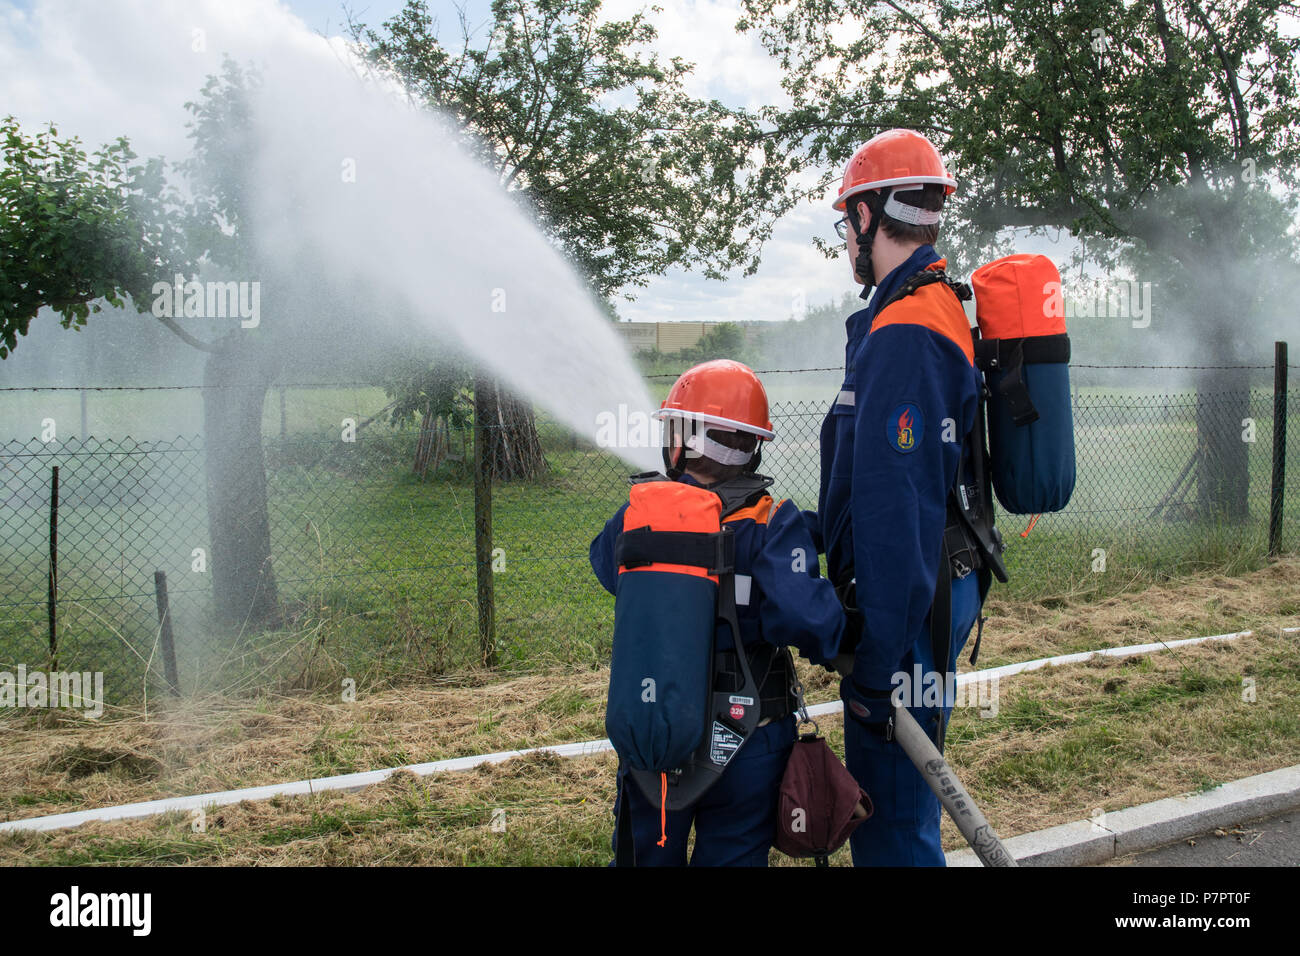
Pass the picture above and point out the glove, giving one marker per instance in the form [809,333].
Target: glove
[869,707]
[853,619]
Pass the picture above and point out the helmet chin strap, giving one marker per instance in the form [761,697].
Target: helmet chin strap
[863,265]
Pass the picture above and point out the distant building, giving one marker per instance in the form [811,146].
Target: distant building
[672,337]
[639,336]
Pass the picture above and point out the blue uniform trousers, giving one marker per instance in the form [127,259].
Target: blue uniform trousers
[904,830]
[735,820]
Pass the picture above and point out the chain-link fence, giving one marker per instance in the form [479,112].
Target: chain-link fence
[372,573]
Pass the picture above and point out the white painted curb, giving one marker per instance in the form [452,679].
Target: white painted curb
[350,781]
[356,781]
[1151,825]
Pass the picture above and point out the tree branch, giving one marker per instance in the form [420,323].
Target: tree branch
[185,336]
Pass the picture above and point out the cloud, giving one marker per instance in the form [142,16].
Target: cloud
[730,66]
[792,268]
[127,67]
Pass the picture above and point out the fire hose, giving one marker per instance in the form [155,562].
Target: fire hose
[941,779]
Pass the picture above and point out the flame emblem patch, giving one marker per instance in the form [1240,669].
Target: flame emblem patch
[904,428]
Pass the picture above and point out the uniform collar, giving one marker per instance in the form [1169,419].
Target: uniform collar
[859,323]
[921,258]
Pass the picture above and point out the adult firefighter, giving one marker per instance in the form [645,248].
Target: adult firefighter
[888,515]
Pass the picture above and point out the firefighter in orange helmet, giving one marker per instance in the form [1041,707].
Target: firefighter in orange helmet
[895,453]
[715,423]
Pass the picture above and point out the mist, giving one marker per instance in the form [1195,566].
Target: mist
[371,233]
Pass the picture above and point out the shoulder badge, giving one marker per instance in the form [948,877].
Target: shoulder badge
[904,428]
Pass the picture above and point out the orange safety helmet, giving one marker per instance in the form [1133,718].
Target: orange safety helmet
[721,394]
[896,157]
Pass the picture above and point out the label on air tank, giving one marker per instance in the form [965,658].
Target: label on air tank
[723,744]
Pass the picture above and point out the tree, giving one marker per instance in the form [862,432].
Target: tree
[720,340]
[77,230]
[242,363]
[815,341]
[624,171]
[430,390]
[1161,135]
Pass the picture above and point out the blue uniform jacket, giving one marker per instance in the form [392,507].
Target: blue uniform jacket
[889,453]
[780,595]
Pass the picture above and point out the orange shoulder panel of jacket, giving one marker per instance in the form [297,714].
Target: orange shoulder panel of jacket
[759,512]
[935,307]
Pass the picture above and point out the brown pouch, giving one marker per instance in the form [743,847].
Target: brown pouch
[820,802]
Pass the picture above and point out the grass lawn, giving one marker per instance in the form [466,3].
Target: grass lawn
[375,568]
[1063,743]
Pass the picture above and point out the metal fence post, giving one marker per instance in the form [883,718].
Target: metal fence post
[165,633]
[483,522]
[53,582]
[1279,448]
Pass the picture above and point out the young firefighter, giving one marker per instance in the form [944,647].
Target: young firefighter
[715,416]
[891,447]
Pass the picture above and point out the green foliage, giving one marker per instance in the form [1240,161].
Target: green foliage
[814,341]
[77,228]
[627,173]
[427,386]
[720,340]
[1152,132]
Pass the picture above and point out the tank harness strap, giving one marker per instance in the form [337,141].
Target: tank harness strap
[972,504]
[775,698]
[625,846]
[663,810]
[979,635]
[773,670]
[713,551]
[928,277]
[1010,356]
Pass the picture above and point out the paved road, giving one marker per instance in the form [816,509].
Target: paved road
[1274,841]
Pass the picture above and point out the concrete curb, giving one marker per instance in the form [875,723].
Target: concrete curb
[1150,825]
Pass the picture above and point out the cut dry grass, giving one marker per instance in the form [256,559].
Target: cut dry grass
[1102,735]
[1210,604]
[211,744]
[1112,733]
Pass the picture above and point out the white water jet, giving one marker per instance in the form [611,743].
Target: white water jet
[362,198]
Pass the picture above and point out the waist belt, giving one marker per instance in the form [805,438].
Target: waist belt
[773,670]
